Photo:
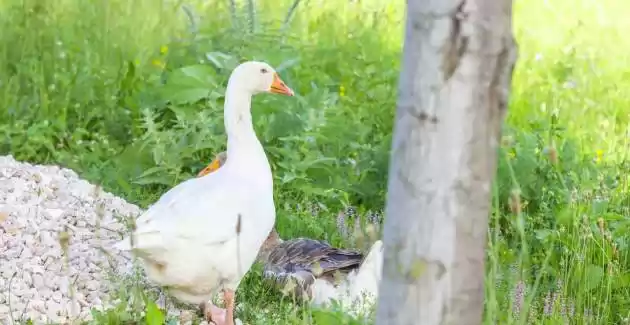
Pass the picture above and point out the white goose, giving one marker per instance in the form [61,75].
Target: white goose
[227,214]
[322,273]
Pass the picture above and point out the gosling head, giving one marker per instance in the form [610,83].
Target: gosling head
[219,160]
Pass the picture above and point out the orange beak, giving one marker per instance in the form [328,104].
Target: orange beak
[214,165]
[278,86]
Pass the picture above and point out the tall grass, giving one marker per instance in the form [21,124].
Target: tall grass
[129,94]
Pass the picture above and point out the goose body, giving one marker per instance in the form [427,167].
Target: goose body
[315,270]
[171,233]
[321,273]
[227,214]
[358,292]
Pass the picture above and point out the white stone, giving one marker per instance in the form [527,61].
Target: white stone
[41,201]
[54,213]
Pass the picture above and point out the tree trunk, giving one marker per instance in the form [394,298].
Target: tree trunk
[453,93]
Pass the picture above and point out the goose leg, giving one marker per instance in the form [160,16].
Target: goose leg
[212,313]
[228,298]
[220,316]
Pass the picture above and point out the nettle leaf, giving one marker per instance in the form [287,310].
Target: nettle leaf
[154,314]
[287,64]
[565,217]
[621,281]
[190,84]
[154,175]
[154,180]
[593,275]
[199,72]
[222,61]
[543,234]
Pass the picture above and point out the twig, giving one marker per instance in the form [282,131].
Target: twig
[290,13]
[10,306]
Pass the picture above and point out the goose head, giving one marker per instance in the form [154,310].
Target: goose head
[257,77]
[218,161]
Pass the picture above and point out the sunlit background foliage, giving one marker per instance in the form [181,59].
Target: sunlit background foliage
[129,94]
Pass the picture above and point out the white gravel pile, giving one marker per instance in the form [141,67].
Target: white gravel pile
[39,205]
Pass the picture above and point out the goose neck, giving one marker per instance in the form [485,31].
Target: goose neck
[238,122]
[244,150]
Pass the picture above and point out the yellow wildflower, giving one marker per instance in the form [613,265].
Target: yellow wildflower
[342,91]
[163,49]
[158,63]
[512,154]
[599,154]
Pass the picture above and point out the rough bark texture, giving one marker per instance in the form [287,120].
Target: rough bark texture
[453,93]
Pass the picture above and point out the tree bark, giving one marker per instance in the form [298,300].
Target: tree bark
[453,92]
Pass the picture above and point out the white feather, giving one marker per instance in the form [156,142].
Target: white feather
[189,240]
[357,294]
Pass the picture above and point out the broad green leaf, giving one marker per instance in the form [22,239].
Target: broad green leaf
[154,314]
[287,64]
[154,175]
[189,84]
[542,234]
[187,95]
[593,276]
[152,171]
[154,180]
[200,73]
[565,217]
[621,281]
[219,59]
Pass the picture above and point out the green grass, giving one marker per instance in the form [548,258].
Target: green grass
[128,94]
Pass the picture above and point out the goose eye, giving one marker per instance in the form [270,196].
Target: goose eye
[263,70]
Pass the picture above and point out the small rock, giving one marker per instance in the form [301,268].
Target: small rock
[69,308]
[92,285]
[185,317]
[38,305]
[96,301]
[45,293]
[64,285]
[36,204]
[54,213]
[38,281]
[27,279]
[52,309]
[17,307]
[7,273]
[26,252]
[4,310]
[24,293]
[33,314]
[56,296]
